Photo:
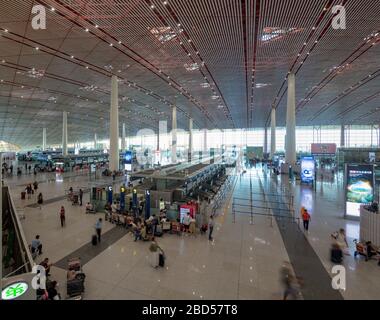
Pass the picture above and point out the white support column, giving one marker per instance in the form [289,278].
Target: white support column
[123,138]
[174,135]
[114,127]
[190,155]
[43,139]
[272,133]
[265,140]
[342,136]
[290,152]
[95,141]
[205,150]
[64,134]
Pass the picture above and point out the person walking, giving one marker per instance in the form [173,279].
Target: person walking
[155,250]
[306,220]
[80,196]
[98,228]
[40,200]
[36,246]
[211,227]
[62,216]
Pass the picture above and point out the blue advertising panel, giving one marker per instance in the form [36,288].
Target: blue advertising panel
[147,204]
[122,198]
[134,199]
[109,194]
[128,160]
[307,169]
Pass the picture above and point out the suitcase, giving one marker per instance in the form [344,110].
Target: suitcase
[158,232]
[161,260]
[23,195]
[94,240]
[75,287]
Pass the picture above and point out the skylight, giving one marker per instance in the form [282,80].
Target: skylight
[163,34]
[270,33]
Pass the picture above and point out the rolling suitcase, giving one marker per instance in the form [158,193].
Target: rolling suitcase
[158,232]
[23,195]
[94,240]
[161,260]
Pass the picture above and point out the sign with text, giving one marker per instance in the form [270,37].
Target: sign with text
[323,148]
[128,160]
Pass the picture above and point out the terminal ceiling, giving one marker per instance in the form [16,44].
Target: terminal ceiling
[222,62]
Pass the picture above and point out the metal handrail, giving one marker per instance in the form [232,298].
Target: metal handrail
[24,248]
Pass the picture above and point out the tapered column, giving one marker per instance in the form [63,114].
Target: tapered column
[114,127]
[64,134]
[205,150]
[190,154]
[265,140]
[43,139]
[174,135]
[95,141]
[272,133]
[290,148]
[342,136]
[123,138]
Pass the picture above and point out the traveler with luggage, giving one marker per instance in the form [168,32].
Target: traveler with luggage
[156,252]
[62,216]
[98,228]
[340,239]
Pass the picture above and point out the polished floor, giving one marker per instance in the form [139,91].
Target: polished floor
[243,261]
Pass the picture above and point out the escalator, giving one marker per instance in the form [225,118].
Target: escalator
[17,261]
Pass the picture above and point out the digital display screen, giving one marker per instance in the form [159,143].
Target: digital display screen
[128,161]
[359,188]
[307,169]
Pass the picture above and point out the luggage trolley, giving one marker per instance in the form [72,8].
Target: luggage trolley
[75,278]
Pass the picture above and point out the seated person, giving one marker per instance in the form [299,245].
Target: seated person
[89,207]
[371,249]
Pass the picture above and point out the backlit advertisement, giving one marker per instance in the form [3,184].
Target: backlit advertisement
[307,169]
[360,184]
[128,161]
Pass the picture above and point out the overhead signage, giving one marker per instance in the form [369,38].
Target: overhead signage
[360,186]
[323,148]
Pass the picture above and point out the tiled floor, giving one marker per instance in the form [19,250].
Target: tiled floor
[243,261]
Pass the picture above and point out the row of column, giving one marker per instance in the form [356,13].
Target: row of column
[290,138]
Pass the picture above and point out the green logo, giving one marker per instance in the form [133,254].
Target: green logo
[14,290]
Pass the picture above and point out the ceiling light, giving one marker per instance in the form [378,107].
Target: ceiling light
[119,42]
[111,44]
[86,30]
[5,30]
[52,9]
[2,61]
[214,97]
[72,57]
[37,48]
[165,3]
[152,6]
[96,26]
